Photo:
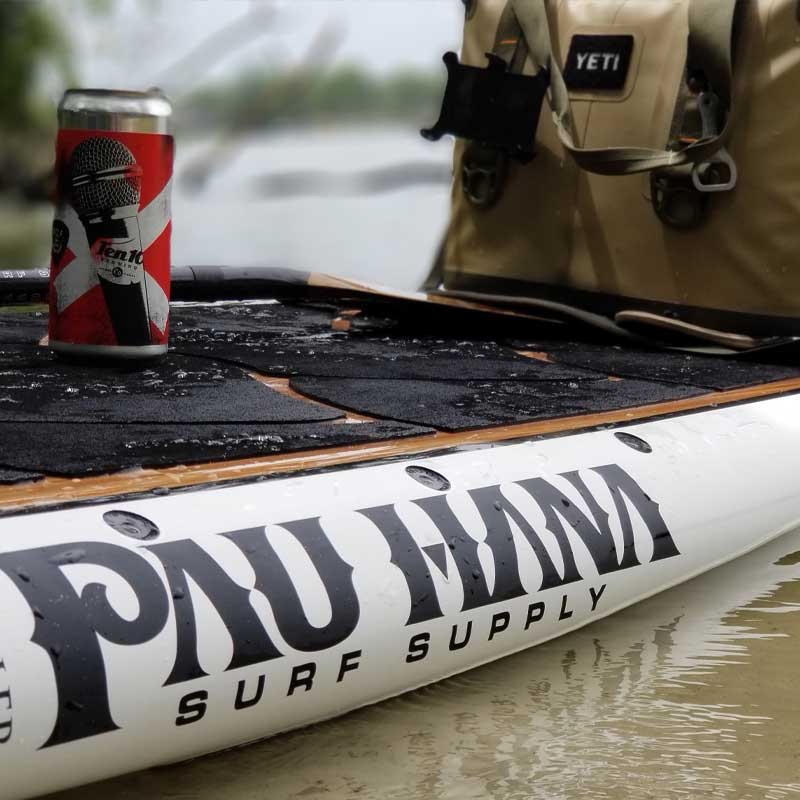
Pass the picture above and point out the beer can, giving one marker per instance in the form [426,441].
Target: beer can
[110,260]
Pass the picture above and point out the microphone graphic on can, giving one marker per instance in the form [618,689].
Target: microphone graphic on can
[104,183]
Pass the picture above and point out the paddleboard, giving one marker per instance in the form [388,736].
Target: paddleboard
[317,502]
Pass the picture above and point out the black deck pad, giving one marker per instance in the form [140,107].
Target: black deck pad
[416,371]
[706,371]
[8,475]
[287,340]
[461,405]
[35,386]
[22,327]
[80,449]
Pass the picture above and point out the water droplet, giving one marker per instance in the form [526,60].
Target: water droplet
[68,557]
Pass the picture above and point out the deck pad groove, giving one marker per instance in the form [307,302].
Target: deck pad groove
[11,476]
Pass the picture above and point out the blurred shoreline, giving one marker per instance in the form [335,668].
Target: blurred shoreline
[294,95]
[366,201]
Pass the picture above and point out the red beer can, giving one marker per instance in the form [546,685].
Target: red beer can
[110,266]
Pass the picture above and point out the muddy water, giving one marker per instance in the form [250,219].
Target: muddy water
[693,694]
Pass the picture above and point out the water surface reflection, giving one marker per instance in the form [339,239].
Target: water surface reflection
[691,694]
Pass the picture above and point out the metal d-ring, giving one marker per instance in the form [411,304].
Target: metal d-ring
[708,106]
[700,170]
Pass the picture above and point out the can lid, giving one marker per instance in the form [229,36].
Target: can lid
[152,103]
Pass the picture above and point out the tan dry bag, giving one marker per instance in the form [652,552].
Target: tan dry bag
[666,174]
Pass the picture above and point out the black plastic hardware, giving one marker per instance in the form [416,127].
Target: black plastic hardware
[483,174]
[132,525]
[676,201]
[428,478]
[492,106]
[634,442]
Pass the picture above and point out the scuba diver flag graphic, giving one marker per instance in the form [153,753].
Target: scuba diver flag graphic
[111,237]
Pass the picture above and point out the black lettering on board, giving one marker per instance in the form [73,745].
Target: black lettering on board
[596,594]
[241,702]
[406,555]
[621,484]
[5,724]
[507,583]
[565,613]
[418,647]
[192,708]
[275,582]
[349,664]
[455,644]
[251,643]
[535,613]
[302,678]
[500,623]
[69,626]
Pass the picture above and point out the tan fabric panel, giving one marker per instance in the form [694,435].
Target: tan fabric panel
[615,223]
[559,226]
[528,232]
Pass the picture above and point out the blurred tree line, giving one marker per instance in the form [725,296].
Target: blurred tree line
[37,62]
[341,92]
[32,48]
[30,42]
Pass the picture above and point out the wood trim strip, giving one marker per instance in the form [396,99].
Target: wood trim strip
[53,491]
[324,281]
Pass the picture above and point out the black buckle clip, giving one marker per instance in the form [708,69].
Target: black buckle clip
[492,106]
[483,174]
[675,199]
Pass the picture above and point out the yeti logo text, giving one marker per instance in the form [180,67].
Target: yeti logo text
[71,624]
[595,61]
[598,62]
